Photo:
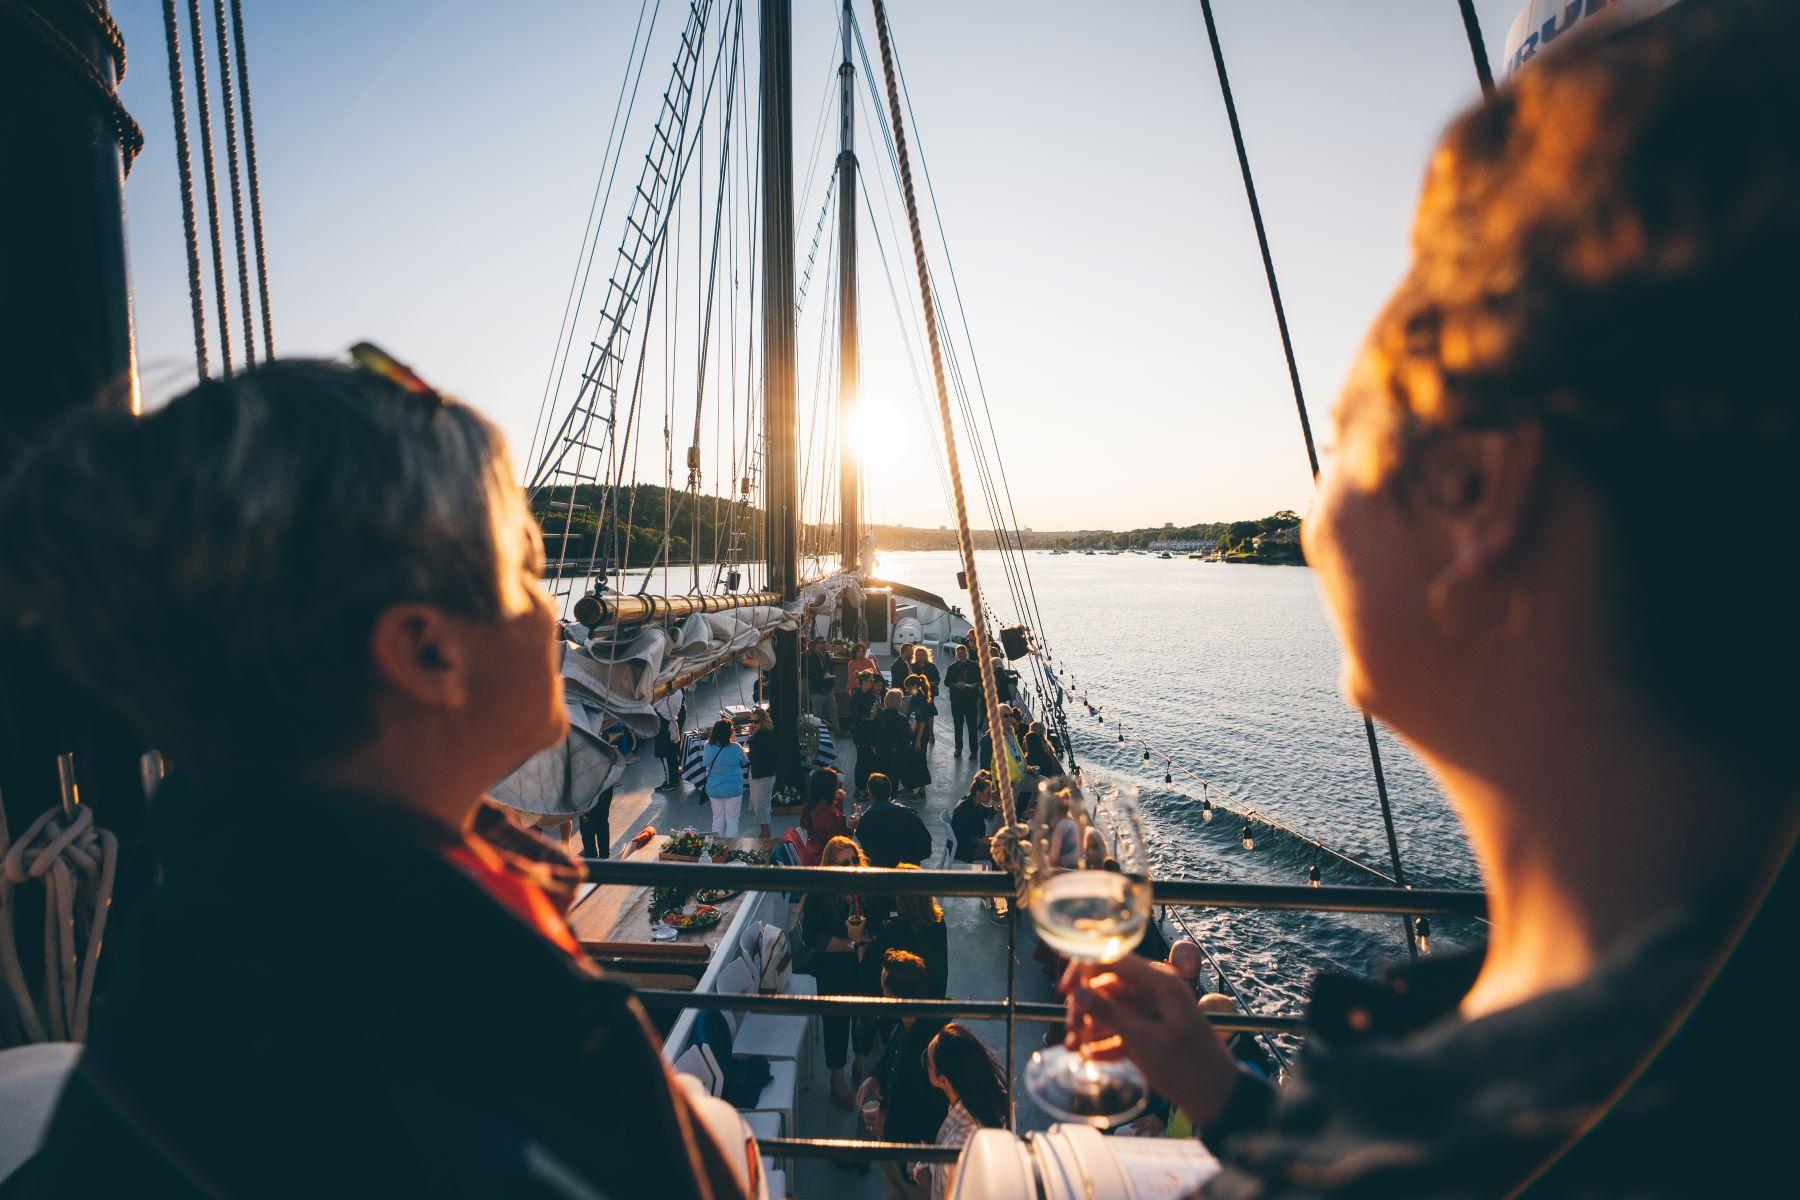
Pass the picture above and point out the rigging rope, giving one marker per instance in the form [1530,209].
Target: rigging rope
[212,189]
[185,173]
[1312,454]
[590,233]
[1015,569]
[237,193]
[712,279]
[256,219]
[656,250]
[983,648]
[1034,611]
[1477,47]
[104,91]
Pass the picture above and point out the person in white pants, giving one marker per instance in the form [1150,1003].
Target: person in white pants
[726,765]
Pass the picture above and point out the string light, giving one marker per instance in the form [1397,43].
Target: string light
[1312,875]
[1207,811]
[1422,930]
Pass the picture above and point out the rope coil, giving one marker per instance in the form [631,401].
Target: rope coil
[77,862]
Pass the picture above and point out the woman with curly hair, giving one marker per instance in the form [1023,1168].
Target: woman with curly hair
[1555,543]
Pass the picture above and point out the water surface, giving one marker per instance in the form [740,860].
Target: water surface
[1232,670]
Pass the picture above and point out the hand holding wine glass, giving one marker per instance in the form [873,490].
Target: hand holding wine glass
[1087,888]
[1143,1011]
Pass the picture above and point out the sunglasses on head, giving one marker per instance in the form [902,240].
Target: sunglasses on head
[375,360]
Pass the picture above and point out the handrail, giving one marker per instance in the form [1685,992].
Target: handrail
[854,1148]
[1228,987]
[888,1006]
[1187,892]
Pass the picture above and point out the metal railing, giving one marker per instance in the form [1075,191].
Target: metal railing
[1195,893]
[995,884]
[890,1007]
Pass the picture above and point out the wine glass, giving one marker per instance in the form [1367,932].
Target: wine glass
[1087,888]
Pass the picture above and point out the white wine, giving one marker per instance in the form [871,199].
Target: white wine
[1092,916]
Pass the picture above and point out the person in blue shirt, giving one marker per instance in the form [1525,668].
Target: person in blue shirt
[725,762]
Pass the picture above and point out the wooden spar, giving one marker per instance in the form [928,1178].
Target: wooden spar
[690,677]
[849,366]
[781,417]
[643,610]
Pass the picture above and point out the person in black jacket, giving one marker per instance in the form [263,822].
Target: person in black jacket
[901,666]
[916,925]
[922,664]
[915,771]
[865,701]
[891,833]
[821,683]
[836,933]
[970,818]
[963,681]
[353,975]
[1040,756]
[911,1109]
[892,735]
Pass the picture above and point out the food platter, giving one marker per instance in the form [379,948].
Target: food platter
[704,916]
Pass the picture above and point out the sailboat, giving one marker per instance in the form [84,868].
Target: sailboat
[785,561]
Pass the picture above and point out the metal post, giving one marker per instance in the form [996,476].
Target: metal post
[849,368]
[66,338]
[1012,1009]
[1387,822]
[782,485]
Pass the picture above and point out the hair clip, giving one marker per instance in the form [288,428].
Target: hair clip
[373,358]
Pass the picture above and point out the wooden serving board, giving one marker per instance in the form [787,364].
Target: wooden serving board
[613,920]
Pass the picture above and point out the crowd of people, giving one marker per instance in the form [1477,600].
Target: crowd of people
[913,1079]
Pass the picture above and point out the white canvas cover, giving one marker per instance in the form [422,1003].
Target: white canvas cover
[614,680]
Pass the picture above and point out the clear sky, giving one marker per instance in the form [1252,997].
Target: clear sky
[427,166]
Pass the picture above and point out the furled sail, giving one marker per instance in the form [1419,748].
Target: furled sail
[611,682]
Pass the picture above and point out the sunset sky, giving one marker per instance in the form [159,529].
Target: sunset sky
[427,167]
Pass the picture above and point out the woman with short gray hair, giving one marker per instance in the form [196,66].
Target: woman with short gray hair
[353,967]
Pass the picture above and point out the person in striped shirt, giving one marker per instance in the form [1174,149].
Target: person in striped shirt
[960,1065]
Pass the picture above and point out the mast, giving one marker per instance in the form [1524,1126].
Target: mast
[67,339]
[849,369]
[781,416]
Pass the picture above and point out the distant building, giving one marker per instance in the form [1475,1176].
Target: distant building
[1277,537]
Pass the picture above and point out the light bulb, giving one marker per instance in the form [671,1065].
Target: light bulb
[1312,875]
[1168,778]
[1249,842]
[1422,930]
